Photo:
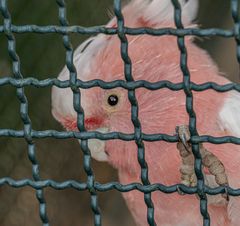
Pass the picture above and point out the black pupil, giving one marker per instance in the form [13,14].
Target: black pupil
[113,100]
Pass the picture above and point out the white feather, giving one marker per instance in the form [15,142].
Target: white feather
[229,115]
[153,11]
[158,11]
[62,99]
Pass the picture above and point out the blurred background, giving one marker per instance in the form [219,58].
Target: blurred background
[43,56]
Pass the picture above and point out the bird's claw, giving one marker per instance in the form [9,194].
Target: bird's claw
[225,195]
[183,135]
[179,191]
[209,160]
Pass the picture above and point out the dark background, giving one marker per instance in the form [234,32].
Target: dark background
[43,56]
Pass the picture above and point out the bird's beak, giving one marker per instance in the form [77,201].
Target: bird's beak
[97,147]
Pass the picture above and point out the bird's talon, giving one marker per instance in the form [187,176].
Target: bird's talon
[179,191]
[183,136]
[226,195]
[209,160]
[184,141]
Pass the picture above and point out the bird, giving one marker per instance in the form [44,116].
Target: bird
[154,58]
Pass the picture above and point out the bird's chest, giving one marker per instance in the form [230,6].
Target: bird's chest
[169,209]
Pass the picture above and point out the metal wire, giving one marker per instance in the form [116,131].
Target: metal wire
[80,113]
[23,108]
[131,85]
[134,111]
[192,115]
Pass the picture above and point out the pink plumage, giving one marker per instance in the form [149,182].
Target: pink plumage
[154,59]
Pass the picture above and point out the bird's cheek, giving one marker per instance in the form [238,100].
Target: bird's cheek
[97,147]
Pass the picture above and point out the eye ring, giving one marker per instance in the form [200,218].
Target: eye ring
[112,100]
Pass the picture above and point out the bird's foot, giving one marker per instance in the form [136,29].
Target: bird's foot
[209,161]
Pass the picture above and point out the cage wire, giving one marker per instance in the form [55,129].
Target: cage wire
[29,134]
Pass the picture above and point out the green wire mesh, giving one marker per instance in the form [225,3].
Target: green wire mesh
[29,134]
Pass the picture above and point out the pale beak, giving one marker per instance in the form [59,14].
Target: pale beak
[97,147]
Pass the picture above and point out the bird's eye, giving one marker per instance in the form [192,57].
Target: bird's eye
[113,100]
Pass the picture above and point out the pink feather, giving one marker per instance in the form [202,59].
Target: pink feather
[160,111]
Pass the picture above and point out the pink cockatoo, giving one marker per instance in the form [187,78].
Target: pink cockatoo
[154,58]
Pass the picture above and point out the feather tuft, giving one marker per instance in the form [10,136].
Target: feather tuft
[157,12]
[229,116]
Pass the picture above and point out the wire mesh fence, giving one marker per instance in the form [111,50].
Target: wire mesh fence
[91,185]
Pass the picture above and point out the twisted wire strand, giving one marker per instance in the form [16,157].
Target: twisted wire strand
[116,135]
[192,115]
[80,114]
[16,67]
[235,15]
[134,111]
[114,186]
[32,28]
[31,81]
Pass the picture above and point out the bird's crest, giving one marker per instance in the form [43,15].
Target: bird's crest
[157,12]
